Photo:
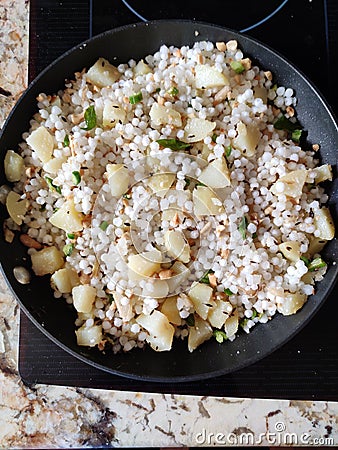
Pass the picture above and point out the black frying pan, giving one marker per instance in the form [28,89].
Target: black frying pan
[56,319]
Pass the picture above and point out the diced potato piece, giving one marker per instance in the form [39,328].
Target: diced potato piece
[118,179]
[158,288]
[201,296]
[261,92]
[89,336]
[197,129]
[247,139]
[316,245]
[231,324]
[205,152]
[163,115]
[198,334]
[124,307]
[146,263]
[291,250]
[42,142]
[65,279]
[83,297]
[181,274]
[67,218]
[112,114]
[216,174]
[206,202]
[14,166]
[291,303]
[290,184]
[169,309]
[141,68]
[160,182]
[209,77]
[161,332]
[102,73]
[176,245]
[324,224]
[219,313]
[16,207]
[323,173]
[47,260]
[54,165]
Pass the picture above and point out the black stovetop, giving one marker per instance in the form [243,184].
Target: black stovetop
[305,32]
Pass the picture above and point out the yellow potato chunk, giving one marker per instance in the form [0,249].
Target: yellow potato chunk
[290,184]
[146,263]
[141,68]
[83,297]
[201,296]
[176,245]
[112,114]
[118,179]
[47,260]
[169,309]
[164,115]
[89,336]
[216,174]
[102,73]
[198,334]
[247,139]
[219,313]
[206,202]
[14,166]
[323,173]
[42,142]
[197,129]
[291,303]
[16,207]
[67,218]
[209,77]
[161,332]
[65,279]
[231,324]
[291,250]
[160,182]
[324,224]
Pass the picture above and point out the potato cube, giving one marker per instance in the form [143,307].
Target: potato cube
[291,303]
[324,224]
[291,250]
[146,263]
[219,313]
[181,274]
[206,202]
[247,139]
[16,207]
[161,332]
[197,129]
[89,336]
[216,174]
[141,68]
[316,245]
[160,182]
[67,218]
[42,142]
[65,279]
[231,324]
[118,179]
[198,334]
[201,296]
[112,114]
[290,184]
[83,297]
[176,245]
[323,173]
[164,115]
[14,166]
[209,77]
[102,73]
[47,260]
[124,306]
[156,288]
[169,309]
[54,165]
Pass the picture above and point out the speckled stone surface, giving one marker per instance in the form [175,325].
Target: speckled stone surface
[65,417]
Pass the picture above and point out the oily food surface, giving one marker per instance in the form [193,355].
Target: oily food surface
[170,196]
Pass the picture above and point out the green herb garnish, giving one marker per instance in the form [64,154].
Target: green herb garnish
[157,90]
[52,186]
[227,151]
[237,66]
[173,91]
[187,182]
[76,177]
[104,225]
[305,260]
[199,184]
[66,141]
[214,137]
[316,264]
[68,249]
[42,207]
[227,291]
[173,144]
[90,118]
[282,123]
[243,322]
[243,226]
[110,298]
[220,336]
[135,98]
[254,235]
[70,235]
[205,278]
[296,135]
[190,320]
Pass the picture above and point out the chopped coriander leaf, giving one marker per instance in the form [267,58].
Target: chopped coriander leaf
[52,186]
[173,144]
[110,298]
[135,98]
[205,278]
[214,137]
[243,322]
[42,207]
[157,90]
[104,225]
[254,313]
[316,264]
[254,235]
[187,181]
[305,260]
[227,151]
[90,118]
[190,320]
[227,291]
[282,123]
[173,91]
[220,336]
[199,184]
[243,226]
[237,66]
[76,177]
[68,249]
[66,141]
[70,235]
[296,135]
[274,87]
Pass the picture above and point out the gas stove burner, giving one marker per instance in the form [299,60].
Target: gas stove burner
[242,16]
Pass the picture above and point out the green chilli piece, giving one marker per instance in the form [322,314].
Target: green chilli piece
[110,298]
[66,141]
[227,151]
[228,292]
[214,137]
[104,225]
[205,278]
[243,226]
[220,336]
[68,249]
[283,123]
[316,264]
[237,66]
[70,235]
[76,177]
[52,186]
[190,320]
[173,91]
[135,98]
[305,260]
[90,118]
[296,135]
[173,144]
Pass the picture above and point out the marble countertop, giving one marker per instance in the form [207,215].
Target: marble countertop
[64,417]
